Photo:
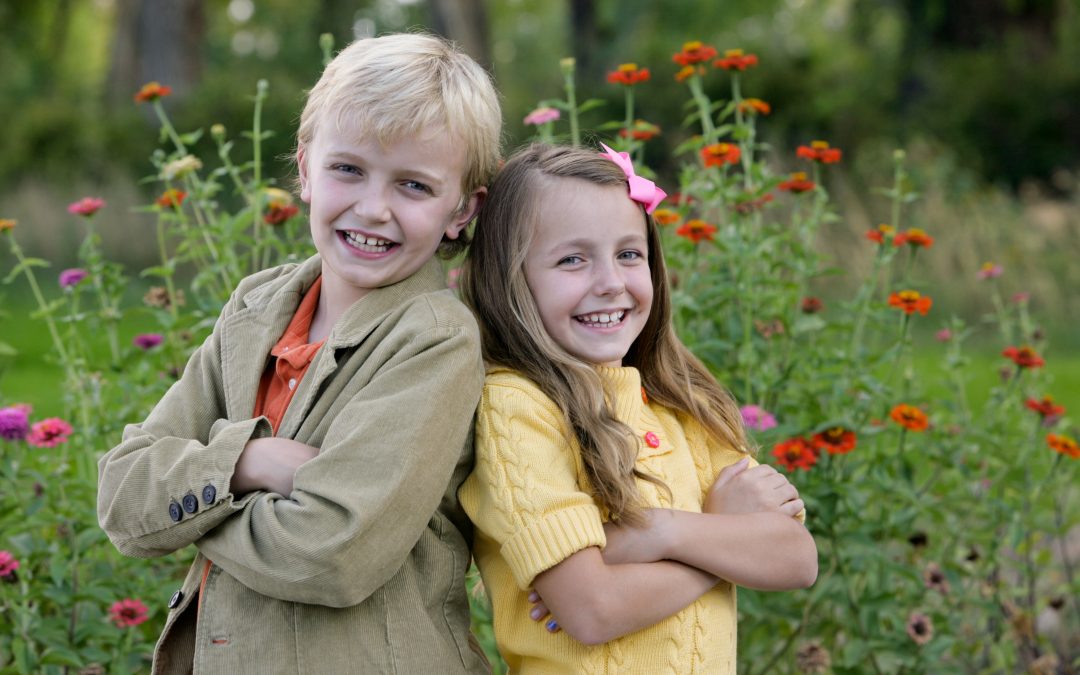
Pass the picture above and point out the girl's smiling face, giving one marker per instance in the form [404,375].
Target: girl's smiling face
[588,271]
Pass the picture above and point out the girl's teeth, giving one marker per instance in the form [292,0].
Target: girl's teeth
[602,318]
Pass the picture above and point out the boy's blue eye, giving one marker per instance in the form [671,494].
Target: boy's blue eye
[346,168]
[417,186]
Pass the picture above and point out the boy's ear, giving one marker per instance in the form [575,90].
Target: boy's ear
[462,219]
[301,164]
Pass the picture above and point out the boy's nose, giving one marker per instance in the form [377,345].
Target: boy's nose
[372,205]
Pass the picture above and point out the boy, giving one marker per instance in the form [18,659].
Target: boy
[313,448]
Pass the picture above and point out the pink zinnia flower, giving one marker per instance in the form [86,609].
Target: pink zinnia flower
[87,206]
[1021,297]
[919,628]
[128,612]
[542,116]
[49,433]
[69,278]
[14,422]
[757,418]
[8,565]
[943,335]
[147,341]
[452,277]
[990,271]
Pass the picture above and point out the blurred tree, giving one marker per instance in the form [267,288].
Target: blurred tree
[158,40]
[466,23]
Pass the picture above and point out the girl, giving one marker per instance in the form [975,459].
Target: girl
[612,484]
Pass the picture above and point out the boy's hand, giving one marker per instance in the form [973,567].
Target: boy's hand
[739,489]
[269,464]
[642,544]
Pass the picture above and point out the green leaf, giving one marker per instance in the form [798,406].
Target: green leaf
[26,264]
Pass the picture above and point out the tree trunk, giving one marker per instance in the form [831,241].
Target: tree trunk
[156,40]
[466,23]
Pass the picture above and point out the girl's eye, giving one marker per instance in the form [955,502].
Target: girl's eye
[570,260]
[630,255]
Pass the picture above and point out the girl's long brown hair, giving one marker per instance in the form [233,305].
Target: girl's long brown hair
[493,284]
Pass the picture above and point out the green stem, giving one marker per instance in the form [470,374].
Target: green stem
[170,131]
[256,181]
[571,102]
[704,108]
[58,344]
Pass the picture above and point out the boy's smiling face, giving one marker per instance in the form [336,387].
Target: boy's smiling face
[379,213]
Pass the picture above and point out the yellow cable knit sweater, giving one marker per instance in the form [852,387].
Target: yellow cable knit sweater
[529,499]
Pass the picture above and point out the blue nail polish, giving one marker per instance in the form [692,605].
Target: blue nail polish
[552,625]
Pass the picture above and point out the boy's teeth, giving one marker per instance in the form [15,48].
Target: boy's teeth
[360,240]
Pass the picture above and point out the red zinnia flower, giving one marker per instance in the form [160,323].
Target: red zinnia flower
[87,206]
[171,198]
[811,305]
[49,433]
[694,52]
[836,441]
[910,417]
[798,183]
[1064,445]
[1045,407]
[819,151]
[878,235]
[665,216]
[152,91]
[628,74]
[910,302]
[696,230]
[277,213]
[750,205]
[1023,357]
[641,131]
[754,106]
[795,453]
[734,59]
[719,154]
[914,237]
[128,612]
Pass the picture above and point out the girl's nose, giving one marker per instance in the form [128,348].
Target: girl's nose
[609,281]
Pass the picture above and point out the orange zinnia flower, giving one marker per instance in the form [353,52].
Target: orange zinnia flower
[628,74]
[665,216]
[694,52]
[836,441]
[752,204]
[641,131]
[914,237]
[171,198]
[911,302]
[696,231]
[277,213]
[152,91]
[880,233]
[795,453]
[688,71]
[753,106]
[1024,357]
[909,417]
[819,151]
[7,224]
[811,305]
[798,183]
[1063,444]
[719,154]
[1045,407]
[734,59]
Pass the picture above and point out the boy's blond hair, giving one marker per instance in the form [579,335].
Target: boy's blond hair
[405,84]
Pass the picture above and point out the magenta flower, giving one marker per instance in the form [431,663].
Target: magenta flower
[87,206]
[990,270]
[1021,297]
[128,612]
[15,422]
[943,335]
[757,418]
[49,433]
[8,565]
[147,341]
[542,116]
[452,277]
[69,278]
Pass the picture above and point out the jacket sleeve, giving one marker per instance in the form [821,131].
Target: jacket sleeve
[359,508]
[167,482]
[524,492]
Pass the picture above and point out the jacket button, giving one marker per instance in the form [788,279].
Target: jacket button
[208,494]
[191,503]
[174,512]
[176,599]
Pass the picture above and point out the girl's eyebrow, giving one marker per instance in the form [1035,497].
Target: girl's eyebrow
[585,243]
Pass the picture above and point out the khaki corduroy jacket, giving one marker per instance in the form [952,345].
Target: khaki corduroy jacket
[361,569]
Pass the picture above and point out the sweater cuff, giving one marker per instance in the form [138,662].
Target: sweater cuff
[552,539]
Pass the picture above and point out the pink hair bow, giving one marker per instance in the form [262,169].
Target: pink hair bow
[642,190]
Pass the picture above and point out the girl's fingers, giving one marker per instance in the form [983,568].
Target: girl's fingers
[552,626]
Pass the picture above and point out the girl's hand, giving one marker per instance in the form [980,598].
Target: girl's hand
[269,464]
[739,489]
[539,612]
[642,544]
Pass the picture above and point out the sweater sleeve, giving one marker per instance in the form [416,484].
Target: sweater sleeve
[524,492]
[167,482]
[359,508]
